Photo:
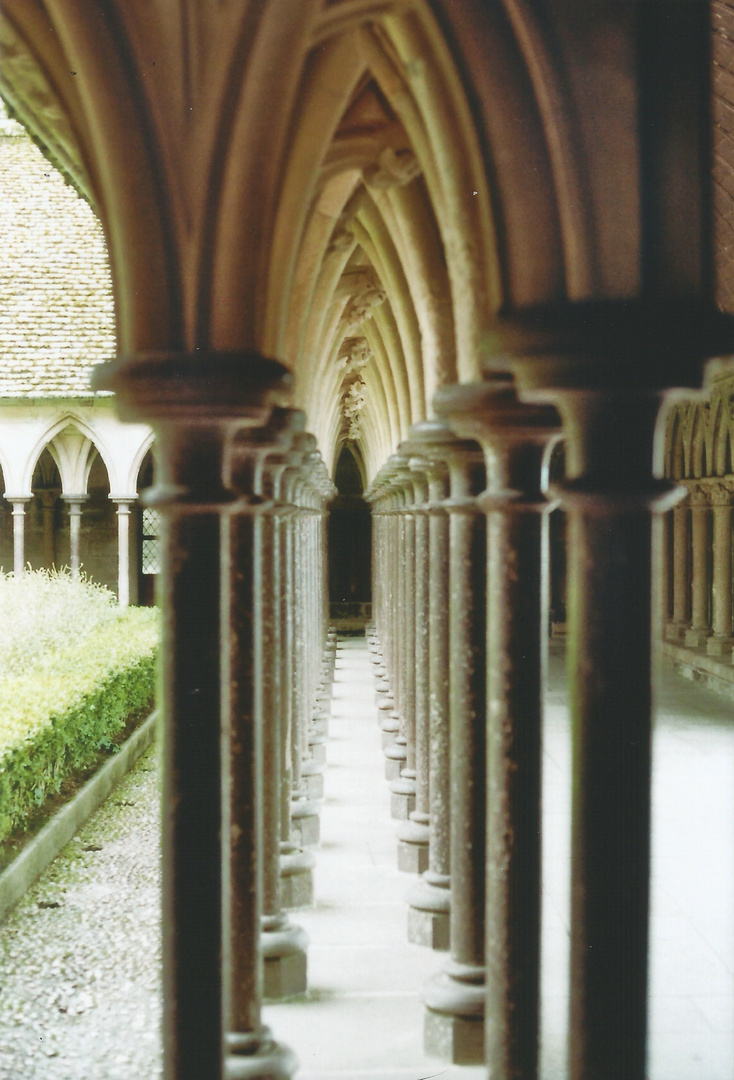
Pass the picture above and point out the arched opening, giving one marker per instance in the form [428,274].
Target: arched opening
[350,541]
[43,529]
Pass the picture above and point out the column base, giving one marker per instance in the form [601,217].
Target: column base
[454,1020]
[312,774]
[396,756]
[256,1056]
[305,823]
[296,877]
[389,723]
[283,946]
[695,639]
[317,746]
[413,845]
[402,797]
[675,631]
[719,646]
[430,912]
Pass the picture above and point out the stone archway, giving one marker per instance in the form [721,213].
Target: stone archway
[350,539]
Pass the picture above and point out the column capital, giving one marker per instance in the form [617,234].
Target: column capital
[513,434]
[721,492]
[642,343]
[18,502]
[123,503]
[195,387]
[698,495]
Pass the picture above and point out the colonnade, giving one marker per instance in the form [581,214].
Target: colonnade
[248,661]
[460,592]
[697,587]
[460,624]
[75,505]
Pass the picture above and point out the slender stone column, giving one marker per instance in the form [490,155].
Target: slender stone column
[608,365]
[700,629]
[681,579]
[19,504]
[49,498]
[75,503]
[395,750]
[400,765]
[414,834]
[123,550]
[429,899]
[455,998]
[305,826]
[393,571]
[296,864]
[514,437]
[283,945]
[720,643]
[208,685]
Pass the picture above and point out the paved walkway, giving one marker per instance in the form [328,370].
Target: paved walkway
[79,997]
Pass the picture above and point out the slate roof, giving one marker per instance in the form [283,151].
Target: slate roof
[56,312]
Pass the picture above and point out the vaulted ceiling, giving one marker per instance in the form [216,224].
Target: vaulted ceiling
[329,182]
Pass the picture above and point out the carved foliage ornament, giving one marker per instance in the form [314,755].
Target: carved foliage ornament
[354,354]
[360,306]
[395,168]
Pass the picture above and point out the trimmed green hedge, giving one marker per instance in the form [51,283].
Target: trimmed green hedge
[67,705]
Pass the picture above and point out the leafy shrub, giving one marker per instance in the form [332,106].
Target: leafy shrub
[47,609]
[61,704]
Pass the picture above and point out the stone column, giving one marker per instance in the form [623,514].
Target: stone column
[720,643]
[607,366]
[389,673]
[681,577]
[296,864]
[700,629]
[283,945]
[401,754]
[429,899]
[123,549]
[19,504]
[75,503]
[413,835]
[304,811]
[514,437]
[454,1022]
[208,685]
[48,498]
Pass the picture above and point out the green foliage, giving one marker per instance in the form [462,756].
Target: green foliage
[63,701]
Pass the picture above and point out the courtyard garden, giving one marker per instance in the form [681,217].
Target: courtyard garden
[77,673]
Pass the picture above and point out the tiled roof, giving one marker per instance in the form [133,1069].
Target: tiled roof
[56,312]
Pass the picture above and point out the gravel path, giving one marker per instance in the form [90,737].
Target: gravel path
[79,955]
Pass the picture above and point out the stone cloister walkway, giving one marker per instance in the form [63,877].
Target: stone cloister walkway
[79,997]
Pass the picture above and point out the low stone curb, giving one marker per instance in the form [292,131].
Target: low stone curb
[40,852]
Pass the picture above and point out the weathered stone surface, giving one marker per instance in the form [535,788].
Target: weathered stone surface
[459,1039]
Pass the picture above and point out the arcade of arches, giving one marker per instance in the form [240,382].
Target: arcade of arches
[446,235]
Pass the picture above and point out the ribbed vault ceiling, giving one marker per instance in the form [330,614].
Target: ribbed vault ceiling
[332,212]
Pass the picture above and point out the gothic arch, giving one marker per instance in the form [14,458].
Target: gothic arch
[70,419]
